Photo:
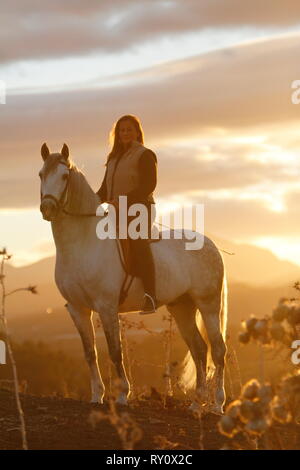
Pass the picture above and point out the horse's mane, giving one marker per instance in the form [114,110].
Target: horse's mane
[81,198]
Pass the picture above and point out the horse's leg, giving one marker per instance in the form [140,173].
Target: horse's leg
[111,327]
[184,312]
[210,309]
[82,317]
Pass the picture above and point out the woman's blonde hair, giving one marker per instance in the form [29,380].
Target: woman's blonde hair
[114,135]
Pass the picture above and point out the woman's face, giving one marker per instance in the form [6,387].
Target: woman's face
[127,132]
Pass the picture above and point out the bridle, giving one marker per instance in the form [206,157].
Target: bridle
[59,202]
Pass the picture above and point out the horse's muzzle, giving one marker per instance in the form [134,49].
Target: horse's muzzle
[48,209]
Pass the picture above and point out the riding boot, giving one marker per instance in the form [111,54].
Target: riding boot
[148,279]
[146,271]
[143,260]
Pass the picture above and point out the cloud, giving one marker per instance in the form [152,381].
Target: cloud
[212,98]
[242,90]
[235,88]
[245,219]
[293,203]
[223,166]
[19,193]
[35,30]
[200,168]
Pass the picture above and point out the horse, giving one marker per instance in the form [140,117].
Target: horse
[89,275]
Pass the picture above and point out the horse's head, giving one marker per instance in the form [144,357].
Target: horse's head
[54,176]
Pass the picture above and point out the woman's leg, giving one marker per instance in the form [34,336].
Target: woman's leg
[143,260]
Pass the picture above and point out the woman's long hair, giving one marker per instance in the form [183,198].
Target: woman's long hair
[114,136]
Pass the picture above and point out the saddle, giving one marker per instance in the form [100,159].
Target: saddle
[126,255]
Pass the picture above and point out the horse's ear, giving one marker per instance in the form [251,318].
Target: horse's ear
[45,151]
[65,151]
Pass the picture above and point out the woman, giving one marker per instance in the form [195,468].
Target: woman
[131,170]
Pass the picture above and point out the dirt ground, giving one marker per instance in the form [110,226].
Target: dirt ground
[59,423]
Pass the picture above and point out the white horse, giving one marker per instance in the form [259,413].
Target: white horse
[89,275]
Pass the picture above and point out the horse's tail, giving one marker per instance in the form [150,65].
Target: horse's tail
[189,374]
[224,309]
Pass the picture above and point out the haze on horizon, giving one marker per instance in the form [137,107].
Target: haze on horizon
[210,81]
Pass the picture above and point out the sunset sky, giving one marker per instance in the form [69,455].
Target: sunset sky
[211,82]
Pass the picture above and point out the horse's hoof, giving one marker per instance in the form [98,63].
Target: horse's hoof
[217,410]
[96,401]
[97,398]
[122,400]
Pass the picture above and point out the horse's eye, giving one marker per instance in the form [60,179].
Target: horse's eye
[40,174]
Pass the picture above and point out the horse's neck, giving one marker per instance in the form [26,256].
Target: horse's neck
[69,231]
[81,199]
[77,245]
[72,229]
[75,236]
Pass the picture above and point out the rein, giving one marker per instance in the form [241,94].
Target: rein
[224,251]
[59,202]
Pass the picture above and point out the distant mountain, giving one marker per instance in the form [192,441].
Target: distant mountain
[40,272]
[256,266]
[253,269]
[249,264]
[28,318]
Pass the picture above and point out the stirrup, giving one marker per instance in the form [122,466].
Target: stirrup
[153,310]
